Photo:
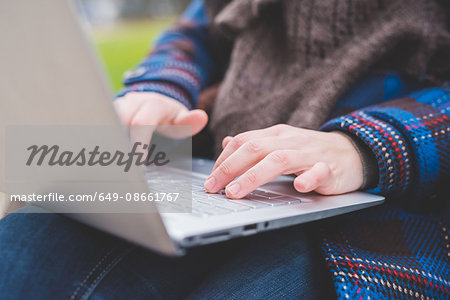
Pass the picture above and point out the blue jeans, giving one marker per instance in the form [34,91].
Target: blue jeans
[47,256]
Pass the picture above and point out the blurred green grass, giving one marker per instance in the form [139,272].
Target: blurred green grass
[124,45]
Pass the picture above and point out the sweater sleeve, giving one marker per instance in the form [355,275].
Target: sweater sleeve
[409,138]
[180,64]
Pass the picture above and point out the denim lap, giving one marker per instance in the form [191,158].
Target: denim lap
[47,256]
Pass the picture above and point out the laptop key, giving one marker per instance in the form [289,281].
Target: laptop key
[197,189]
[201,207]
[233,206]
[218,197]
[214,210]
[198,186]
[264,194]
[290,200]
[273,202]
[250,203]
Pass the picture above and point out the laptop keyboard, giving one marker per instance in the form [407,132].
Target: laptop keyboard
[204,204]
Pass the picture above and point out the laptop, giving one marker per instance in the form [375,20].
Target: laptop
[50,75]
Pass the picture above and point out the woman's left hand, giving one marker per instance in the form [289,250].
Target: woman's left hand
[325,162]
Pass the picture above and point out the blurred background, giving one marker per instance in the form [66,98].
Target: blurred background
[124,30]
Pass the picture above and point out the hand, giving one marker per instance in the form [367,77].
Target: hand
[324,162]
[144,108]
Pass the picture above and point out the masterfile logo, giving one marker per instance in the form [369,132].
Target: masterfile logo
[52,156]
[97,168]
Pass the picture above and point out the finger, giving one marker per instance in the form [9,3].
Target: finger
[196,118]
[226,140]
[140,137]
[185,123]
[313,178]
[273,165]
[142,126]
[125,111]
[241,160]
[241,138]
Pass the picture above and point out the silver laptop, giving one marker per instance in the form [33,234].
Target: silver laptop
[50,75]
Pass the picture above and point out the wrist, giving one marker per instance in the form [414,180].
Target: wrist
[350,160]
[367,158]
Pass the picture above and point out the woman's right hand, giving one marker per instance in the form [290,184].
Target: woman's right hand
[138,109]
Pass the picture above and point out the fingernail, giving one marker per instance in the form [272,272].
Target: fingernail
[209,184]
[233,189]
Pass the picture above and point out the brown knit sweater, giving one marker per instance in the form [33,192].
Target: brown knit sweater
[293,59]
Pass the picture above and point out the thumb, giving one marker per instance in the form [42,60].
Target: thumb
[187,123]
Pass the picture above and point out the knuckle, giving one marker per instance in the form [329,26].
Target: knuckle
[325,168]
[225,169]
[238,141]
[253,146]
[251,177]
[315,180]
[279,126]
[279,157]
